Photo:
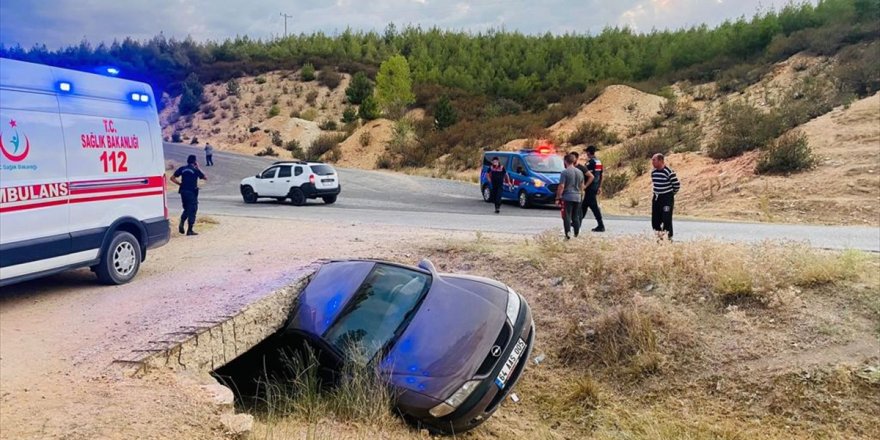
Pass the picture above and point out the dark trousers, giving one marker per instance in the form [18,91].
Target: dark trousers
[571,217]
[496,195]
[591,202]
[190,201]
[661,212]
[209,160]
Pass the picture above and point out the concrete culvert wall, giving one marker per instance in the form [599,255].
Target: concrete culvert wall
[205,349]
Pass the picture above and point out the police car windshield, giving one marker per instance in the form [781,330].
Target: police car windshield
[380,308]
[549,163]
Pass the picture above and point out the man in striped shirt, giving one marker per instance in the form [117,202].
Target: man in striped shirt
[666,185]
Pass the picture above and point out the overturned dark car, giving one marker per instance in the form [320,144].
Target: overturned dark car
[451,347]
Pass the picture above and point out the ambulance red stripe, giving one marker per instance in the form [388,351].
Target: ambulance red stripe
[76,201]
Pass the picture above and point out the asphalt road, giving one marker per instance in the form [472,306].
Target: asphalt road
[377,197]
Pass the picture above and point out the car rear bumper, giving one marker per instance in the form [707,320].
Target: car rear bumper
[311,192]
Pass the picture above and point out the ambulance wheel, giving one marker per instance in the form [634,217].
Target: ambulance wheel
[523,200]
[297,198]
[121,259]
[248,194]
[487,194]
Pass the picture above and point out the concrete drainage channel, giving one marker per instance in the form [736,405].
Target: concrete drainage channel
[198,351]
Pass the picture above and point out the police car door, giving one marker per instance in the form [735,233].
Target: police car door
[515,177]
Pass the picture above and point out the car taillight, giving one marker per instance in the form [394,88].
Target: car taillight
[312,179]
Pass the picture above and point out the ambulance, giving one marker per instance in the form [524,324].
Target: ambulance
[81,173]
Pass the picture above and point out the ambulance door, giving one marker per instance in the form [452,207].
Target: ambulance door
[34,213]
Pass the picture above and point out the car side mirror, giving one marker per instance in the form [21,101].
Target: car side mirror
[426,264]
[257,176]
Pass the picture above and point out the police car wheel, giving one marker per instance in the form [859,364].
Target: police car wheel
[297,198]
[121,259]
[248,194]
[487,194]
[523,200]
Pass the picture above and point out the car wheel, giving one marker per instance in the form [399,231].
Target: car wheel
[523,200]
[121,259]
[329,199]
[248,194]
[487,194]
[297,197]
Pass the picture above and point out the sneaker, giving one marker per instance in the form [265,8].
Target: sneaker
[192,233]
[598,229]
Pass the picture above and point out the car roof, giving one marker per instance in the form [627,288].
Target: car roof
[297,162]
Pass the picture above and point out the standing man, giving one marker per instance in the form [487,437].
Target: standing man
[209,155]
[568,196]
[187,177]
[594,187]
[496,182]
[666,185]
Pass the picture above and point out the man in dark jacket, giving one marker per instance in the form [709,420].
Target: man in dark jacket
[591,195]
[187,178]
[496,182]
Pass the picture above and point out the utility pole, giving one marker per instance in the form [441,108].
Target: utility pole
[285,22]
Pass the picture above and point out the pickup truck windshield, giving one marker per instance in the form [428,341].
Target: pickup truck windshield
[380,308]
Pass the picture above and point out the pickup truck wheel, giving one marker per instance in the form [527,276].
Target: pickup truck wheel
[121,259]
[487,194]
[329,199]
[248,194]
[297,198]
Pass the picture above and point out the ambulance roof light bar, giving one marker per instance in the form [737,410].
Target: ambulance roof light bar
[64,86]
[139,98]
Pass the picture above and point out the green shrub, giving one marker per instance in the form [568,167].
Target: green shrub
[365,139]
[312,97]
[276,138]
[309,115]
[369,109]
[232,87]
[329,77]
[259,100]
[274,111]
[349,115]
[268,151]
[592,133]
[858,71]
[295,149]
[614,182]
[743,128]
[789,153]
[260,80]
[737,78]
[323,144]
[308,72]
[329,125]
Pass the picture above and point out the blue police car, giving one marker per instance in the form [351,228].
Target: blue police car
[532,175]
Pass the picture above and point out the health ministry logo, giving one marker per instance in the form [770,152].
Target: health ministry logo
[18,153]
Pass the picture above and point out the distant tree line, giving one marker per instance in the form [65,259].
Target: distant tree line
[500,64]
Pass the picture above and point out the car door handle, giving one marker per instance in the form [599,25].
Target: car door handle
[287,181]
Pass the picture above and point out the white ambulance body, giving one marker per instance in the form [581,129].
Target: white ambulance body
[81,173]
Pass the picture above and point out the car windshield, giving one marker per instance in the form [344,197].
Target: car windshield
[379,310]
[322,170]
[549,163]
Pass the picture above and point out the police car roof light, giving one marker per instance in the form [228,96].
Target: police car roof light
[113,71]
[64,86]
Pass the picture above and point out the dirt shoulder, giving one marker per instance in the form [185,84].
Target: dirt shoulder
[59,336]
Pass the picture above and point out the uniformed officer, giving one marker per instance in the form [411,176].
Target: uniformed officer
[594,187]
[187,178]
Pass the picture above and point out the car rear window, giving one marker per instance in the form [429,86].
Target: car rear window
[322,170]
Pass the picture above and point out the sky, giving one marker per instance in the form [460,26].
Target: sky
[59,23]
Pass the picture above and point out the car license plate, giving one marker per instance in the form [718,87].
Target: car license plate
[510,364]
[327,180]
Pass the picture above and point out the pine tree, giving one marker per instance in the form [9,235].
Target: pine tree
[369,109]
[444,114]
[359,89]
[394,86]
